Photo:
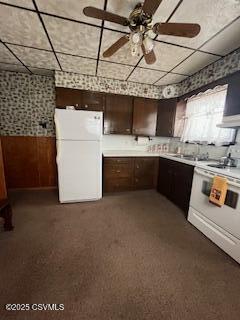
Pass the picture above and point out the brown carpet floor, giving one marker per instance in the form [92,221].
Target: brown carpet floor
[127,256]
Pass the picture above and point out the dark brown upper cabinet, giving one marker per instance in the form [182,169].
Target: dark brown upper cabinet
[118,114]
[68,97]
[232,104]
[144,117]
[80,99]
[93,101]
[166,117]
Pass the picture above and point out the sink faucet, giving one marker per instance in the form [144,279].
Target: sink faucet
[197,149]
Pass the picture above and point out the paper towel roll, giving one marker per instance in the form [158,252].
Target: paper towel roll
[142,141]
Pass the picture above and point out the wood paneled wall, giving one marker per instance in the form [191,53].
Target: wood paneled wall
[30,162]
[3,190]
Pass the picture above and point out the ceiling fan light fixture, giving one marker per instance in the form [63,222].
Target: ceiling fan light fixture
[135,43]
[148,44]
[136,38]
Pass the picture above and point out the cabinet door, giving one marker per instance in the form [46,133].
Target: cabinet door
[118,114]
[68,97]
[145,117]
[232,104]
[182,185]
[145,173]
[93,101]
[166,117]
[165,173]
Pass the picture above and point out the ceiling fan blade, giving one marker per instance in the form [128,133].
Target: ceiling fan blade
[149,57]
[105,15]
[150,6]
[116,46]
[188,30]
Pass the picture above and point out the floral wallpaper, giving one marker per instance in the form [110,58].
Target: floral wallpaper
[26,102]
[86,82]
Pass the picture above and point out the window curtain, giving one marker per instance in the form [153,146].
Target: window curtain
[203,113]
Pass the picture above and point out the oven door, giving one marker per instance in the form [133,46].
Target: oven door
[228,216]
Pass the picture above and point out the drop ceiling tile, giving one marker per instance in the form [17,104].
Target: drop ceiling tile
[164,11]
[211,15]
[124,8]
[123,55]
[145,75]
[113,70]
[168,56]
[42,72]
[227,41]
[72,37]
[14,68]
[21,3]
[77,64]
[71,8]
[7,56]
[35,58]
[170,78]
[22,27]
[195,62]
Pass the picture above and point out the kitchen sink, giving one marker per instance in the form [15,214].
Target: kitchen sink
[191,157]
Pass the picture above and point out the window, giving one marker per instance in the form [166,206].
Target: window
[203,113]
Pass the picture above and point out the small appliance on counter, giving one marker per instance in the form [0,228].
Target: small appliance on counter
[226,162]
[79,154]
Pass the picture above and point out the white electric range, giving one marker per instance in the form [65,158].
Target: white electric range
[220,224]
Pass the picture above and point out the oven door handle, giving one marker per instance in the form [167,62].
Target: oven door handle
[209,175]
[204,173]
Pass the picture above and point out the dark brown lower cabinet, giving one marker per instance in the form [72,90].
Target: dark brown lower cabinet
[125,174]
[175,182]
[118,174]
[145,173]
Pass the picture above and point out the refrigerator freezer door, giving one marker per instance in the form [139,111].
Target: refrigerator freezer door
[78,125]
[79,170]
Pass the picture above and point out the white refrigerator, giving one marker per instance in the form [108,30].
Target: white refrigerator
[79,154]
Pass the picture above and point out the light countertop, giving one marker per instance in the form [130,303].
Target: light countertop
[136,153]
[231,172]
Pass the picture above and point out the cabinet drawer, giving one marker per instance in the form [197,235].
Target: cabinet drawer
[116,161]
[117,184]
[121,170]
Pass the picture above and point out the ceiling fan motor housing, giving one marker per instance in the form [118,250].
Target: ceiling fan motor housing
[138,20]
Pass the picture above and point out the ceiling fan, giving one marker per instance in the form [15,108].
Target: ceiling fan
[140,23]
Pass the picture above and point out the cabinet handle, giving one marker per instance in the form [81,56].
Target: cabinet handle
[118,171]
[136,180]
[137,166]
[128,130]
